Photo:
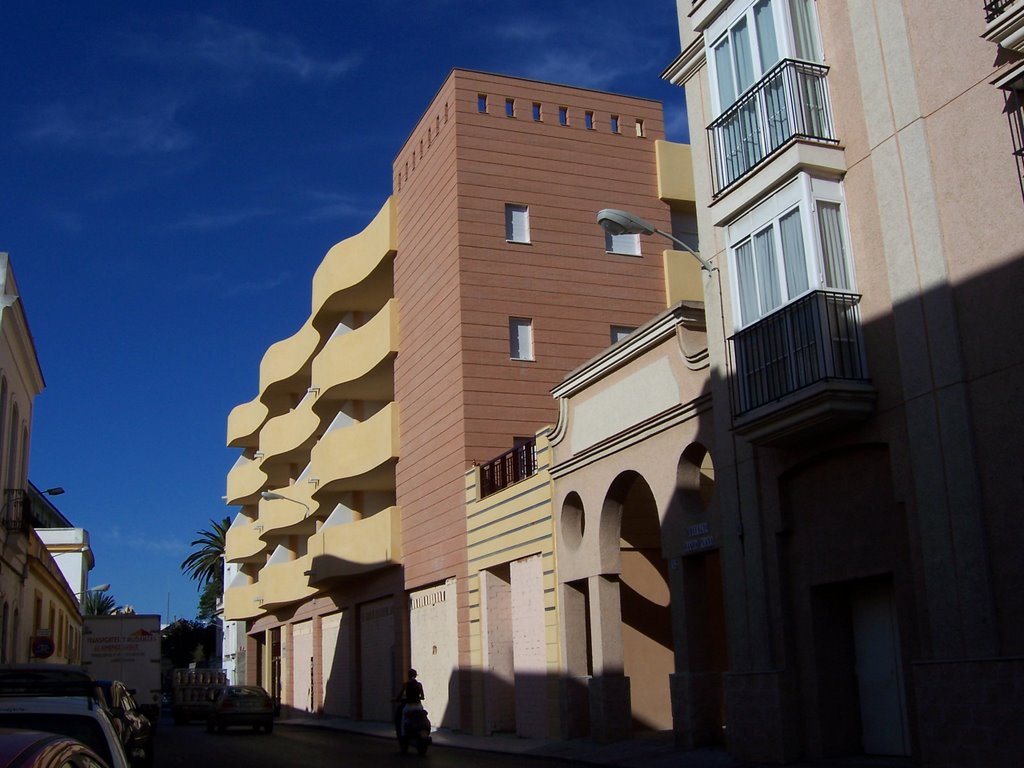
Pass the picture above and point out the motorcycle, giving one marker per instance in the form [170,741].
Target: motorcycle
[415,730]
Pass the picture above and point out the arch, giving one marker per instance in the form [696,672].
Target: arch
[573,521]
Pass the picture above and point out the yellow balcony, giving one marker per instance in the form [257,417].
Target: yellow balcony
[285,367]
[242,542]
[675,172]
[243,602]
[286,582]
[355,275]
[245,481]
[351,365]
[355,548]
[244,424]
[292,515]
[286,439]
[360,456]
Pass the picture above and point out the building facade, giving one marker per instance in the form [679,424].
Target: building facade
[858,185]
[435,338]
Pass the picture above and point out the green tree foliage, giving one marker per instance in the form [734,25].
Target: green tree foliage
[187,641]
[98,604]
[205,564]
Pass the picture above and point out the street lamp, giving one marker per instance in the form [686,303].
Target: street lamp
[97,588]
[616,222]
[56,491]
[271,496]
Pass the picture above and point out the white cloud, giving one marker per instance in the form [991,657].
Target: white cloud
[145,132]
[224,220]
[251,287]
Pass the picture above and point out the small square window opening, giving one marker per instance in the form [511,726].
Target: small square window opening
[615,123]
[481,104]
[619,332]
[588,120]
[536,112]
[627,245]
[510,107]
[517,223]
[563,115]
[520,338]
[639,128]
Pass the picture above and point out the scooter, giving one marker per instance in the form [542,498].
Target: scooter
[415,730]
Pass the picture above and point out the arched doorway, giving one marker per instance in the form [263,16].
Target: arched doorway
[631,535]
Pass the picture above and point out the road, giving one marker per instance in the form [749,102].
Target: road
[190,746]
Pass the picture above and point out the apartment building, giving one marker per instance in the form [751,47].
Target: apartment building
[858,184]
[434,339]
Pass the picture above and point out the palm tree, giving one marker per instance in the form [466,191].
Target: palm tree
[98,603]
[205,563]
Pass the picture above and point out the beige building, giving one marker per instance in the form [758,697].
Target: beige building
[434,339]
[858,186]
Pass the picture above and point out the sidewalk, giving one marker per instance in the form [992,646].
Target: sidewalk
[651,751]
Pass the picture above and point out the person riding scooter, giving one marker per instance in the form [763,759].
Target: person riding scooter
[409,695]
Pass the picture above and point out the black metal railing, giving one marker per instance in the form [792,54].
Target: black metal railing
[15,513]
[1015,113]
[995,8]
[511,467]
[789,102]
[815,338]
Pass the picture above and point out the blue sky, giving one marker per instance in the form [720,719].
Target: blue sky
[173,173]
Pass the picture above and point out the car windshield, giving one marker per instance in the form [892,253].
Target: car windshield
[80,727]
[244,693]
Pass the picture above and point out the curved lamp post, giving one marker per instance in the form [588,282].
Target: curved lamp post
[97,588]
[616,222]
[271,496]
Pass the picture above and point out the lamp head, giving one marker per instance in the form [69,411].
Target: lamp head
[57,491]
[271,496]
[616,222]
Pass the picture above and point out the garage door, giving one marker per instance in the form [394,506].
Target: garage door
[302,666]
[376,655]
[434,638]
[336,664]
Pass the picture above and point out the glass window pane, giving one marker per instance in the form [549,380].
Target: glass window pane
[747,282]
[764,24]
[804,36]
[517,223]
[628,244]
[769,291]
[723,71]
[793,258]
[520,338]
[833,250]
[742,56]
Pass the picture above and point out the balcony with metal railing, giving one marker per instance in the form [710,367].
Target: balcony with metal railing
[790,102]
[800,368]
[511,467]
[996,8]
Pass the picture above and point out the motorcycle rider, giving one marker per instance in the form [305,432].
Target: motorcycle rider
[410,696]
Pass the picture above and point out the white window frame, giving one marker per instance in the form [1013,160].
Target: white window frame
[520,335]
[725,25]
[804,192]
[622,245]
[517,230]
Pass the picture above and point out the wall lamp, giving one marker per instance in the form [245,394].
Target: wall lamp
[616,222]
[271,496]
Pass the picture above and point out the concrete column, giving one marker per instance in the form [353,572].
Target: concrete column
[606,625]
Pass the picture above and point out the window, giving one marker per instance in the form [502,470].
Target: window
[536,112]
[563,115]
[520,338]
[746,43]
[588,120]
[639,128]
[481,105]
[792,243]
[615,123]
[510,107]
[517,223]
[628,245]
[619,332]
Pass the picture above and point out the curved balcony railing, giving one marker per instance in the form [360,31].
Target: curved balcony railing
[349,365]
[244,602]
[242,542]
[355,548]
[995,8]
[292,515]
[286,582]
[244,423]
[356,273]
[790,102]
[286,439]
[245,481]
[344,458]
[285,366]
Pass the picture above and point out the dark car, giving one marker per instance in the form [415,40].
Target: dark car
[241,705]
[134,728]
[35,749]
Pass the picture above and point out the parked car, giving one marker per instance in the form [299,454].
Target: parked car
[133,727]
[35,749]
[60,699]
[241,705]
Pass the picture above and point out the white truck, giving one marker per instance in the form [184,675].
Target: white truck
[126,647]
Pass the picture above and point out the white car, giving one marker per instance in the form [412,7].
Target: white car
[59,699]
